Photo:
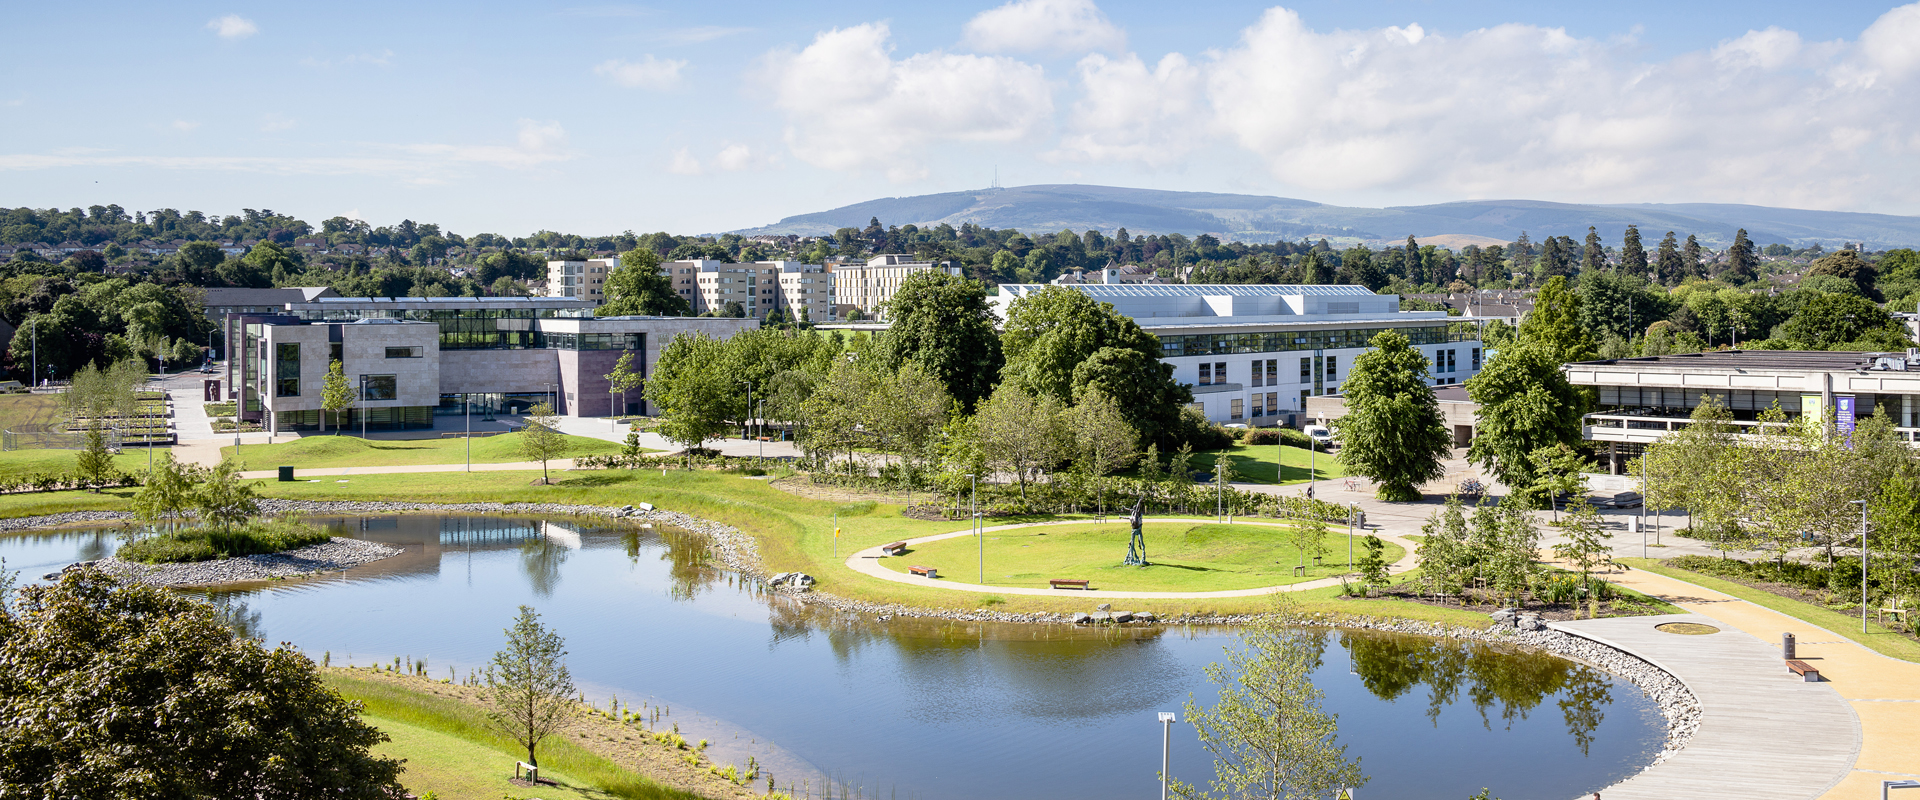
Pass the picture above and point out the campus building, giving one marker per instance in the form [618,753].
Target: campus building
[580,279]
[1255,354]
[804,291]
[409,359]
[1641,399]
[869,286]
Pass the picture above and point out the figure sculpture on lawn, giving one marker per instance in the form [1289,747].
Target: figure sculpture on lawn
[1137,546]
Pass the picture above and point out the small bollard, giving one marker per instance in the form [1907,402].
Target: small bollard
[1786,646]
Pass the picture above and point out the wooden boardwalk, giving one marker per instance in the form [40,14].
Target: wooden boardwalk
[1764,733]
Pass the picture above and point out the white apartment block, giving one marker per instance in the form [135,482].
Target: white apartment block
[868,287]
[806,291]
[580,280]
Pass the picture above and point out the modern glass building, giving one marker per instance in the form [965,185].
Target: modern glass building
[1254,354]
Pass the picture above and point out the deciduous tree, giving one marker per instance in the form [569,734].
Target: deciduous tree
[336,395]
[541,440]
[944,324]
[636,288]
[1393,431]
[528,683]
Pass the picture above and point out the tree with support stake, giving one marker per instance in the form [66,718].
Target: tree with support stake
[336,395]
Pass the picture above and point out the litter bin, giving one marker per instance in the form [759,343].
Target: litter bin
[286,473]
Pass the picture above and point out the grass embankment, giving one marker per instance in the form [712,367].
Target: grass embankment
[353,451]
[205,543]
[18,464]
[28,409]
[1274,463]
[1877,638]
[452,750]
[1183,557]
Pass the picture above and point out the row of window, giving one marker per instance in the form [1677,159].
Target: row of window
[1209,344]
[1448,361]
[1267,372]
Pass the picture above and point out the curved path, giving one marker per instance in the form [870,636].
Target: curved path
[867,562]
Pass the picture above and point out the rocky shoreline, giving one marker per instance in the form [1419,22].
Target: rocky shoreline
[739,552]
[330,556]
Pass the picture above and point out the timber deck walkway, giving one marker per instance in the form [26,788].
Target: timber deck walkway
[1764,733]
[867,562]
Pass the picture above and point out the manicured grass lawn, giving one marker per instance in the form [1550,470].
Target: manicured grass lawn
[455,744]
[1265,464]
[353,451]
[1196,557]
[1877,639]
[17,464]
[23,409]
[457,769]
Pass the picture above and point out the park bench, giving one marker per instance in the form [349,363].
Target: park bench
[926,571]
[764,438]
[894,548]
[533,772]
[1805,670]
[1063,583]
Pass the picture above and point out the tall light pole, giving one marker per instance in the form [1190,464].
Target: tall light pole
[1167,718]
[35,328]
[749,406]
[1863,563]
[363,406]
[973,524]
[466,410]
[1643,501]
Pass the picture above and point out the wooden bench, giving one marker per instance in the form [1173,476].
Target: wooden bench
[533,772]
[1064,583]
[894,548]
[1805,670]
[930,572]
[764,438]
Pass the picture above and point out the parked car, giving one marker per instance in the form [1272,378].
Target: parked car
[1320,434]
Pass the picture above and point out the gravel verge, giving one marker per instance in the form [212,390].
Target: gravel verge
[330,556]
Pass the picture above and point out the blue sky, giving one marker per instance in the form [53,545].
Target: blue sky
[705,117]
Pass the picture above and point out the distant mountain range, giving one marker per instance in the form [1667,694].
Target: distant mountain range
[1257,218]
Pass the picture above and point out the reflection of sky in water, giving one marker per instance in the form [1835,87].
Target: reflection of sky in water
[920,709]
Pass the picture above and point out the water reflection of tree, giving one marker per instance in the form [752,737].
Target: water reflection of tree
[233,613]
[541,559]
[1494,680]
[690,564]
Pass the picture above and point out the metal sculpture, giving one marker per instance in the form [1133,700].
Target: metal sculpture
[1137,546]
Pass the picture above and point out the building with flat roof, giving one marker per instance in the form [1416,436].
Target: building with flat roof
[869,286]
[1642,399]
[444,356]
[804,291]
[580,279]
[1255,354]
[221,301]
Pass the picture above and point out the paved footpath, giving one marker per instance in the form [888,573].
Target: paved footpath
[867,562]
[1792,742]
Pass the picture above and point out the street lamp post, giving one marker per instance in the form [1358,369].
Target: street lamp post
[750,408]
[1167,718]
[1863,563]
[363,406]
[466,410]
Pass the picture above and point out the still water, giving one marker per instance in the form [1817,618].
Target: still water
[914,709]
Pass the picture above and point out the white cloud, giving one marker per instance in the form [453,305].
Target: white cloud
[1522,111]
[233,26]
[646,73]
[684,163]
[184,126]
[850,105]
[1131,113]
[1054,26]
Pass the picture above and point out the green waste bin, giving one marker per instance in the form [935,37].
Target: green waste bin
[286,473]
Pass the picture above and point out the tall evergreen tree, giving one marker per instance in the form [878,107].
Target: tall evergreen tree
[1521,251]
[1742,266]
[1633,256]
[1593,256]
[1669,267]
[1555,323]
[1416,266]
[1690,258]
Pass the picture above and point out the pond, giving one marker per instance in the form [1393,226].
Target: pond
[913,708]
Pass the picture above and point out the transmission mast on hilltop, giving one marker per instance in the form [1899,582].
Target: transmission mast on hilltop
[996,178]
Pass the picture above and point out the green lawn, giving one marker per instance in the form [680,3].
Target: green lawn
[315,452]
[454,750]
[1258,464]
[1877,639]
[1183,557]
[23,409]
[17,464]
[457,769]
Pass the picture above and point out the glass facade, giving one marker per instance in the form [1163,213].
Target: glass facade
[286,369]
[1208,344]
[460,328]
[379,387]
[593,341]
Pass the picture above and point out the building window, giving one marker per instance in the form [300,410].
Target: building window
[1258,410]
[1476,359]
[1306,370]
[1453,363]
[1333,368]
[1304,393]
[1238,408]
[1206,374]
[1273,404]
[1439,361]
[404,352]
[1273,372]
[379,387]
[286,370]
[1219,372]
